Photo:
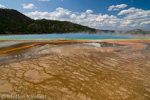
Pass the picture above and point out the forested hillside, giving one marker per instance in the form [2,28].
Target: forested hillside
[14,22]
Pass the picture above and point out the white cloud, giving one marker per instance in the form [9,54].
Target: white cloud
[2,6]
[89,11]
[117,7]
[29,6]
[133,19]
[130,10]
[44,0]
[146,22]
[136,18]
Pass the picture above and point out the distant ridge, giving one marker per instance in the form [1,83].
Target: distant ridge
[133,32]
[14,22]
[138,31]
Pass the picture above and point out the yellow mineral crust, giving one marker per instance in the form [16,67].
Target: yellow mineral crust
[76,72]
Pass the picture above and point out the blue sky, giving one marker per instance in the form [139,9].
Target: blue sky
[101,14]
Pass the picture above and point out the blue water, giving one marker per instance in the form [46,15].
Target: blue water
[63,36]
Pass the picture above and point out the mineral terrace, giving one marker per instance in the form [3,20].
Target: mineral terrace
[76,70]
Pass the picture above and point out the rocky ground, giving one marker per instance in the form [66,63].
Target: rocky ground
[108,70]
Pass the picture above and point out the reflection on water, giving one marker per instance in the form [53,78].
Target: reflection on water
[68,36]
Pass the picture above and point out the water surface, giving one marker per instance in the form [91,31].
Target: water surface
[64,36]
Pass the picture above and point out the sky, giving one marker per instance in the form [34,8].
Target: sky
[99,14]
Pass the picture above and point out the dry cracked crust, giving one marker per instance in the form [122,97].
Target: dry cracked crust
[92,75]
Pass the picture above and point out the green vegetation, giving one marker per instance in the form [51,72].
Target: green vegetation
[14,22]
